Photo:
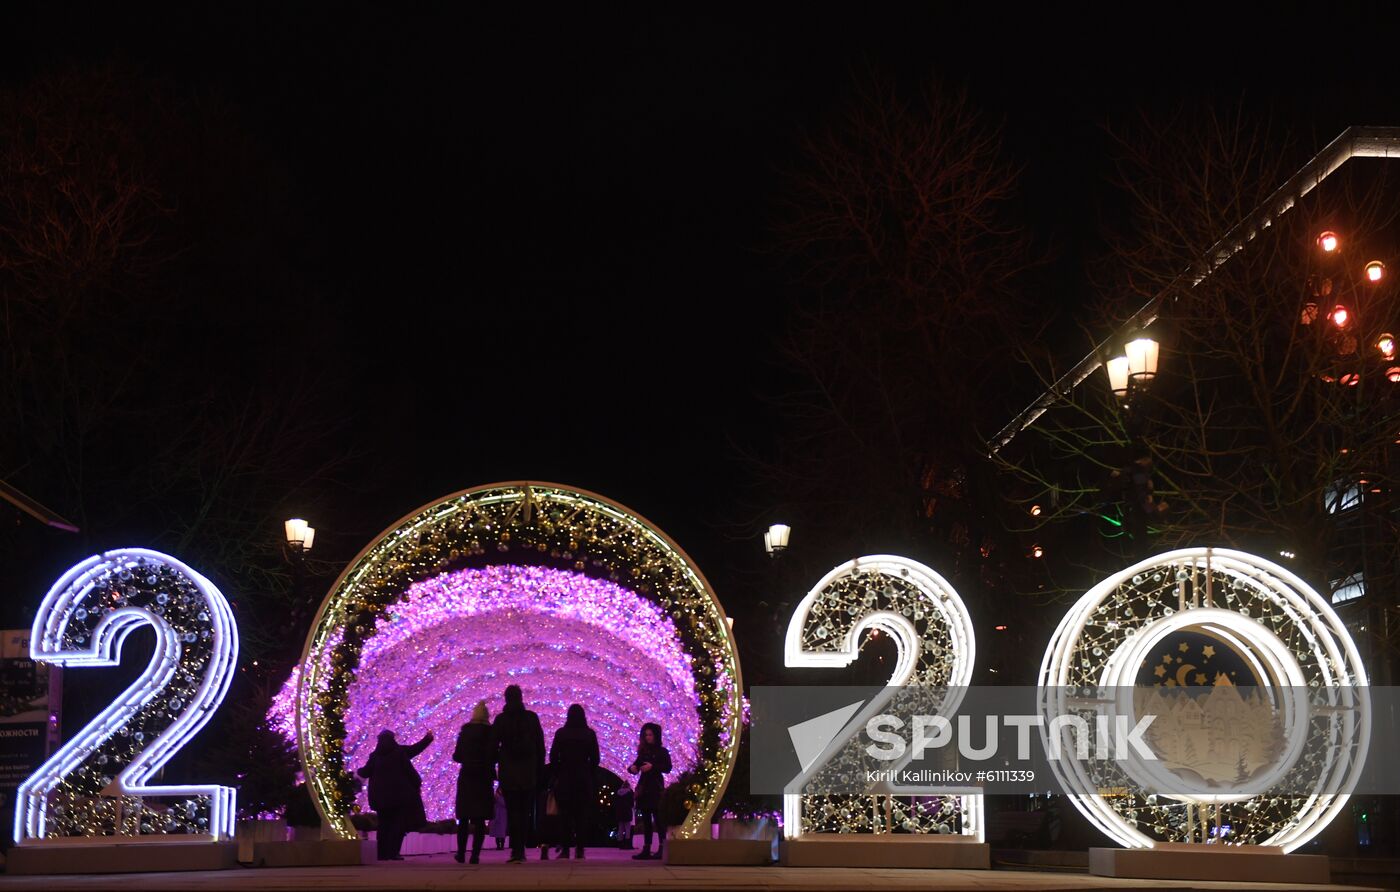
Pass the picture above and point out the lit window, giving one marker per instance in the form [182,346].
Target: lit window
[1342,496]
[1348,588]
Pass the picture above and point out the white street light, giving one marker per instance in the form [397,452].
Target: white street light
[1142,359]
[300,534]
[1118,375]
[775,540]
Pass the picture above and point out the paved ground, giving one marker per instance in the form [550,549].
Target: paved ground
[604,870]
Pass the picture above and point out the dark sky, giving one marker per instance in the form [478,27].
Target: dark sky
[537,237]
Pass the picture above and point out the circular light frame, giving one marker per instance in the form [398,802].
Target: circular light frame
[1095,643]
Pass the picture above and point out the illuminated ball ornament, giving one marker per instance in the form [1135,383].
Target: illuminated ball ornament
[1375,271]
[1340,316]
[97,785]
[570,596]
[1277,628]
[1328,241]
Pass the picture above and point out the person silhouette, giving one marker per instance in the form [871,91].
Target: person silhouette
[573,760]
[475,780]
[518,740]
[651,766]
[395,792]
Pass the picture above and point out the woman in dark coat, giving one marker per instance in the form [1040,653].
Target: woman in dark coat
[652,763]
[573,758]
[395,791]
[476,802]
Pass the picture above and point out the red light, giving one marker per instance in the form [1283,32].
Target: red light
[1037,552]
[1375,270]
[1386,344]
[1340,316]
[1328,241]
[1001,628]
[1393,374]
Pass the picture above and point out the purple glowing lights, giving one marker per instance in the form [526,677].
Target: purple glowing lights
[564,637]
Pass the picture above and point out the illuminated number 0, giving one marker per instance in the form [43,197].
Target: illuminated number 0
[933,635]
[95,788]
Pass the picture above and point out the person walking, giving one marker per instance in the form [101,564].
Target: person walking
[519,744]
[573,759]
[651,766]
[475,779]
[395,792]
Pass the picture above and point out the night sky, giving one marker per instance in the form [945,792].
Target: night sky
[537,241]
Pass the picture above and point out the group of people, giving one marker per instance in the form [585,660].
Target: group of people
[509,754]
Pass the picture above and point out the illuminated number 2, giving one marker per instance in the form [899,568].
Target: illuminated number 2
[936,647]
[96,786]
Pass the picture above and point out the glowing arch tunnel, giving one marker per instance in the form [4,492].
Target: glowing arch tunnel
[572,597]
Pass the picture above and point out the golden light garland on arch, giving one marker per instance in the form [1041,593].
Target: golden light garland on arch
[548,524]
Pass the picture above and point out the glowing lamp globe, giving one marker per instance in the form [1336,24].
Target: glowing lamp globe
[1117,369]
[1328,241]
[775,540]
[1392,374]
[1386,344]
[1340,316]
[1142,359]
[1375,271]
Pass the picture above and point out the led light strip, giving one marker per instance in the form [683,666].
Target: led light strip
[60,638]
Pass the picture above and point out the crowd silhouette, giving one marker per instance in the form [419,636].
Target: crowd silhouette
[550,797]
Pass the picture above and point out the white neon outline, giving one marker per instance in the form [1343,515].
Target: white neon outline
[941,595]
[1335,652]
[111,631]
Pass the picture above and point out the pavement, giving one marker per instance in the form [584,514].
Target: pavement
[609,869]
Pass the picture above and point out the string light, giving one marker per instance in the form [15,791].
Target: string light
[424,555]
[562,636]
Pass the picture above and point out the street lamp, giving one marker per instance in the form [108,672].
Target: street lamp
[1142,359]
[775,540]
[1118,376]
[300,534]
[1134,369]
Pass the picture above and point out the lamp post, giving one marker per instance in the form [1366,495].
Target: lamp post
[299,537]
[1129,377]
